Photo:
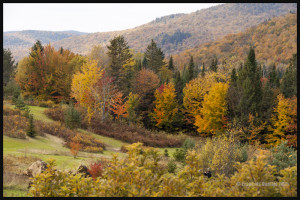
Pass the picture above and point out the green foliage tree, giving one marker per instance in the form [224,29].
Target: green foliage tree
[8,66]
[119,54]
[191,69]
[72,117]
[171,64]
[154,56]
[31,132]
[250,83]
[288,86]
[274,77]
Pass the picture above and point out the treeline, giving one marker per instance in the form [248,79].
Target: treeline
[148,90]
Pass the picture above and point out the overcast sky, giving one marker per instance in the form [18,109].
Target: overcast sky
[89,17]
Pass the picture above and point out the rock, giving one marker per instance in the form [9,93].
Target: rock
[84,170]
[36,168]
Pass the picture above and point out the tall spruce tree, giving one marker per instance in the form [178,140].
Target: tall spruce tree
[8,65]
[119,54]
[214,64]
[203,70]
[155,57]
[191,69]
[171,65]
[249,81]
[178,86]
[288,86]
[274,77]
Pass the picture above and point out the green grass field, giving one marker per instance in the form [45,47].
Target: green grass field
[52,147]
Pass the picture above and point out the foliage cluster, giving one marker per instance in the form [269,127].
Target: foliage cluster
[141,173]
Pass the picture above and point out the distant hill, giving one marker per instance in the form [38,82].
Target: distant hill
[19,42]
[275,41]
[178,32]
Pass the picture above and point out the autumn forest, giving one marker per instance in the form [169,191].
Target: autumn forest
[217,119]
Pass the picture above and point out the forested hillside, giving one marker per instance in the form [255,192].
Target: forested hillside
[20,41]
[275,41]
[178,32]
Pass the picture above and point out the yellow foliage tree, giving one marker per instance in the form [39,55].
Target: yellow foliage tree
[166,106]
[82,83]
[212,116]
[280,121]
[194,91]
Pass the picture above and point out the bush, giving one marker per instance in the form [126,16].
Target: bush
[72,117]
[132,134]
[179,155]
[95,170]
[15,126]
[7,111]
[11,89]
[19,103]
[93,149]
[283,156]
[46,104]
[166,153]
[57,114]
[188,144]
[171,166]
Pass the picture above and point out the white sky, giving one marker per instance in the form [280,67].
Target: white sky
[88,17]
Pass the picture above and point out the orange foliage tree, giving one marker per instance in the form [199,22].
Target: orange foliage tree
[118,106]
[75,147]
[166,106]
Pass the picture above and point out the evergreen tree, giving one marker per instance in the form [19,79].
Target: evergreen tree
[155,57]
[249,81]
[191,69]
[178,86]
[203,70]
[171,65]
[31,129]
[274,77]
[8,65]
[214,64]
[267,102]
[37,46]
[145,63]
[233,77]
[72,117]
[185,76]
[288,85]
[119,54]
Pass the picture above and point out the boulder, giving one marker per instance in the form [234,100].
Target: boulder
[36,168]
[84,170]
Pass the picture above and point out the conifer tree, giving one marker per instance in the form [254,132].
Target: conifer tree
[288,85]
[191,69]
[8,65]
[203,70]
[171,65]
[119,53]
[274,77]
[249,81]
[31,129]
[154,56]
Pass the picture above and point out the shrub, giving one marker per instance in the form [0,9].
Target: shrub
[19,103]
[11,89]
[179,155]
[15,126]
[46,104]
[188,144]
[95,170]
[244,154]
[132,134]
[72,117]
[56,114]
[93,149]
[283,156]
[166,153]
[289,178]
[75,146]
[9,111]
[171,166]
